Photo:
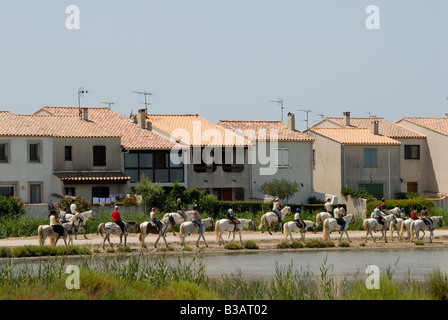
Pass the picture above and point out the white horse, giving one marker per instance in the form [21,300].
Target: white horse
[420,225]
[271,217]
[189,227]
[108,228]
[291,226]
[150,227]
[395,211]
[44,231]
[406,226]
[83,217]
[333,225]
[178,219]
[321,217]
[226,225]
[372,224]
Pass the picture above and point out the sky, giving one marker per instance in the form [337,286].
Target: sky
[228,60]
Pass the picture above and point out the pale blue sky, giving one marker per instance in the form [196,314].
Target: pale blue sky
[227,59]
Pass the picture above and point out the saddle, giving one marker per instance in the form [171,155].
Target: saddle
[428,221]
[340,221]
[380,221]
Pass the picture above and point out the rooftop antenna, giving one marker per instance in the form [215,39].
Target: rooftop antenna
[280,103]
[145,94]
[307,111]
[371,115]
[81,93]
[109,103]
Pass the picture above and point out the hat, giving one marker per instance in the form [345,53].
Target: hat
[402,209]
[179,199]
[153,209]
[298,210]
[116,207]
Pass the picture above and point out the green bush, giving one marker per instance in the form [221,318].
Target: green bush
[81,203]
[11,206]
[250,244]
[233,246]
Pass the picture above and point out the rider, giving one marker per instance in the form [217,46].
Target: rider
[55,224]
[328,207]
[230,216]
[299,221]
[181,210]
[154,218]
[62,214]
[378,217]
[338,216]
[117,219]
[276,209]
[403,214]
[414,214]
[425,217]
[383,208]
[195,218]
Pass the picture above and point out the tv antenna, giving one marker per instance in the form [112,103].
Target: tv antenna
[371,115]
[109,103]
[81,93]
[307,111]
[145,94]
[280,103]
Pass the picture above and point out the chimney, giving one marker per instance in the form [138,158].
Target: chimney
[84,114]
[347,118]
[141,118]
[291,121]
[375,126]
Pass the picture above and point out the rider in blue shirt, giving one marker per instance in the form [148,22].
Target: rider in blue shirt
[231,216]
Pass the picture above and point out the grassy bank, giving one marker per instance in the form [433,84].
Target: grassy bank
[144,278]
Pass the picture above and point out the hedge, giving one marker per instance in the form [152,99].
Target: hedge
[407,204]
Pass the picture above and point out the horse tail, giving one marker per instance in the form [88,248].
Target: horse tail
[217,230]
[392,226]
[181,232]
[52,241]
[402,228]
[365,224]
[325,230]
[317,220]
[39,235]
[101,229]
[412,230]
[262,222]
[140,234]
[285,231]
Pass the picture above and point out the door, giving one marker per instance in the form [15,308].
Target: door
[375,190]
[412,187]
[226,194]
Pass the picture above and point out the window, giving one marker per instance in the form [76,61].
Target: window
[412,152]
[7,191]
[70,191]
[282,157]
[370,157]
[34,152]
[100,192]
[68,153]
[99,155]
[4,152]
[199,154]
[35,193]
[233,159]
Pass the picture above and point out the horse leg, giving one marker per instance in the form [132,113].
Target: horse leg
[241,240]
[269,228]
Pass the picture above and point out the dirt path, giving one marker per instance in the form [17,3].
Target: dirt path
[264,240]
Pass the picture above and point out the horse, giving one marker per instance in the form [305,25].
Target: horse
[189,227]
[270,217]
[333,225]
[395,211]
[150,227]
[291,226]
[227,225]
[420,225]
[108,228]
[406,226]
[372,224]
[44,231]
[322,216]
[178,218]
[83,217]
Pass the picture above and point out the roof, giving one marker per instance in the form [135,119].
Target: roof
[194,130]
[50,126]
[132,137]
[439,125]
[261,130]
[355,136]
[90,177]
[386,127]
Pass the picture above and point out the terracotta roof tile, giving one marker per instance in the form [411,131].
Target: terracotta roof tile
[194,130]
[132,137]
[439,125]
[261,130]
[386,127]
[355,136]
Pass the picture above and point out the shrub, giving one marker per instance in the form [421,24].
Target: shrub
[233,246]
[11,206]
[250,244]
[317,243]
[81,203]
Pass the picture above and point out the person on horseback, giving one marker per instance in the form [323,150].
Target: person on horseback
[180,209]
[414,214]
[195,218]
[55,224]
[62,213]
[338,216]
[153,216]
[73,207]
[117,219]
[299,221]
[426,219]
[328,207]
[403,214]
[230,216]
[383,208]
[378,217]
[276,209]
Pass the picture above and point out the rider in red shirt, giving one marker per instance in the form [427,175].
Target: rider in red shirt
[117,219]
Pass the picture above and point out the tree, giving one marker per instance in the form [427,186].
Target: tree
[153,194]
[282,189]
